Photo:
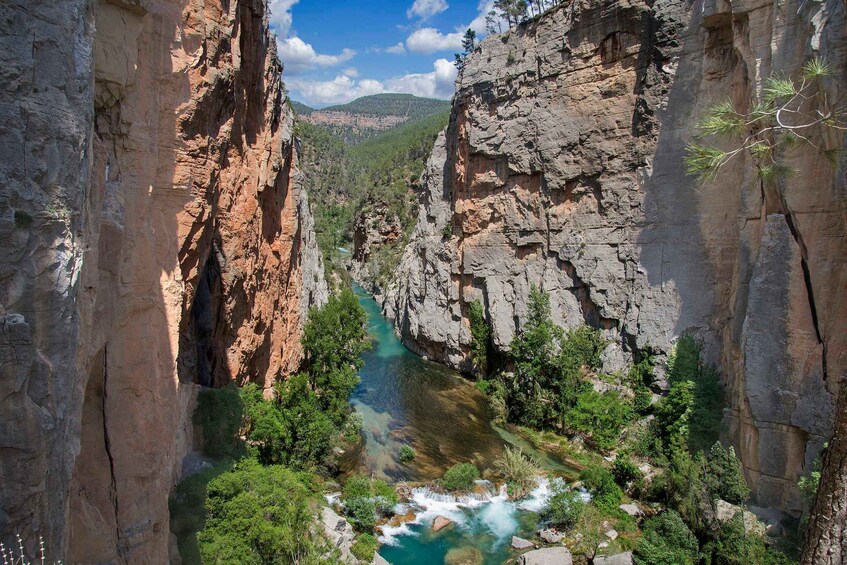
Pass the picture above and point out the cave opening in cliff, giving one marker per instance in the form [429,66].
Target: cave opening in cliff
[211,362]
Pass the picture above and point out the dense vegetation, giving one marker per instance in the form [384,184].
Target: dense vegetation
[257,503]
[551,382]
[374,176]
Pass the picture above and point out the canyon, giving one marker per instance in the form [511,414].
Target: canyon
[562,167]
[155,239]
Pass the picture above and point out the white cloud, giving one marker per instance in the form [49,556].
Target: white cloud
[440,83]
[398,49]
[337,91]
[280,17]
[351,72]
[297,56]
[426,8]
[429,40]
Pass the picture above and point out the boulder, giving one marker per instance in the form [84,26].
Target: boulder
[618,559]
[631,509]
[440,523]
[724,512]
[520,543]
[379,560]
[339,532]
[550,536]
[547,556]
[612,534]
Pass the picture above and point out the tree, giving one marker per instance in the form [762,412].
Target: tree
[469,41]
[790,112]
[257,514]
[666,541]
[564,507]
[480,338]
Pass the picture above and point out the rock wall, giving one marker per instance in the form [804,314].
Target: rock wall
[155,237]
[562,166]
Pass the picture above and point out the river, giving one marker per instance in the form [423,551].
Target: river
[404,399]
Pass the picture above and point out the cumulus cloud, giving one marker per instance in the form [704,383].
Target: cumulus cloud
[337,91]
[398,49]
[426,8]
[440,83]
[351,72]
[429,40]
[280,17]
[298,56]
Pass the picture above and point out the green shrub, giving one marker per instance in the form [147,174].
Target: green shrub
[723,477]
[219,413]
[605,492]
[625,471]
[365,500]
[734,545]
[584,347]
[564,508]
[480,337]
[519,471]
[460,477]
[407,453]
[666,541]
[361,512]
[262,514]
[600,416]
[365,547]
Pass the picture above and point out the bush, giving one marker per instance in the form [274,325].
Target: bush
[261,514]
[518,470]
[666,541]
[734,545]
[600,416]
[365,500]
[364,547]
[460,477]
[407,453]
[564,508]
[361,512]
[605,492]
[625,471]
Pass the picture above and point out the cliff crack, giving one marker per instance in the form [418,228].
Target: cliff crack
[113,489]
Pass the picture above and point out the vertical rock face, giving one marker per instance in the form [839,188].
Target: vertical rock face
[155,236]
[562,167]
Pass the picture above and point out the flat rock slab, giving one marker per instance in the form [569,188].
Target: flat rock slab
[547,556]
[631,509]
[619,559]
[440,523]
[520,543]
[550,536]
[379,560]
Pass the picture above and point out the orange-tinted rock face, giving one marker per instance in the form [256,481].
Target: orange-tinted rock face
[156,238]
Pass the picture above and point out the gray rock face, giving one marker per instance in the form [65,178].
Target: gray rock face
[562,167]
[547,556]
[340,533]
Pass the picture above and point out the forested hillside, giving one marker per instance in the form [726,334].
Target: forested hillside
[345,181]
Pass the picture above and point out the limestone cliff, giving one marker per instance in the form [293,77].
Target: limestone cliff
[155,237]
[562,166]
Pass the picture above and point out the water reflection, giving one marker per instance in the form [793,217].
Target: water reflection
[404,399]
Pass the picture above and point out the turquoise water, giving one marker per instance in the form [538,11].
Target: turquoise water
[404,399]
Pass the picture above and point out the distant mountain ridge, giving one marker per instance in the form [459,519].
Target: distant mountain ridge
[364,117]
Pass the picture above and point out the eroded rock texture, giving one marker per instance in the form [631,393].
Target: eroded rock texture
[154,237]
[562,167]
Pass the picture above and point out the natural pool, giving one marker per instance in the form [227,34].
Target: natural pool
[404,399]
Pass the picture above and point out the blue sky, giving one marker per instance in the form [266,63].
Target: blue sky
[335,51]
